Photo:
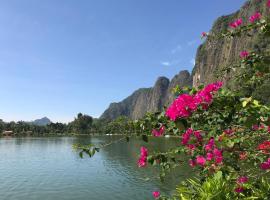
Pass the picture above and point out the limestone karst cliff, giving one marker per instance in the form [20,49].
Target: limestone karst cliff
[147,99]
[211,56]
[216,54]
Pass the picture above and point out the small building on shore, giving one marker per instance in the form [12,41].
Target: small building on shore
[7,133]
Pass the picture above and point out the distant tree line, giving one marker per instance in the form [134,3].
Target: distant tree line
[121,125]
[82,124]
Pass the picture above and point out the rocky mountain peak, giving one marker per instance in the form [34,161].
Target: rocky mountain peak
[147,99]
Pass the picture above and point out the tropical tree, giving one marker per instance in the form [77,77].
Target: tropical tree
[82,124]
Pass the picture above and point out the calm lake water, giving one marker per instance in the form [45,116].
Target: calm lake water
[49,169]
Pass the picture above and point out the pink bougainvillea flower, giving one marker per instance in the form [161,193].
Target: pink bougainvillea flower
[144,151]
[186,136]
[217,152]
[264,147]
[184,105]
[268,4]
[198,135]
[209,146]
[142,162]
[239,189]
[265,165]
[213,87]
[203,98]
[205,95]
[191,147]
[181,107]
[203,35]
[158,133]
[209,156]
[156,194]
[218,159]
[200,160]
[236,23]
[192,163]
[242,179]
[218,156]
[244,54]
[256,16]
[255,127]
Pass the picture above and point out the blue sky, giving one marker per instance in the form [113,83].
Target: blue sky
[61,57]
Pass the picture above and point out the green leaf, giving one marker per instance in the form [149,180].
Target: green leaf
[244,103]
[81,154]
[93,152]
[230,144]
[218,175]
[256,103]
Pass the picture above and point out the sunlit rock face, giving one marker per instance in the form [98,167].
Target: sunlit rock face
[148,99]
[216,54]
